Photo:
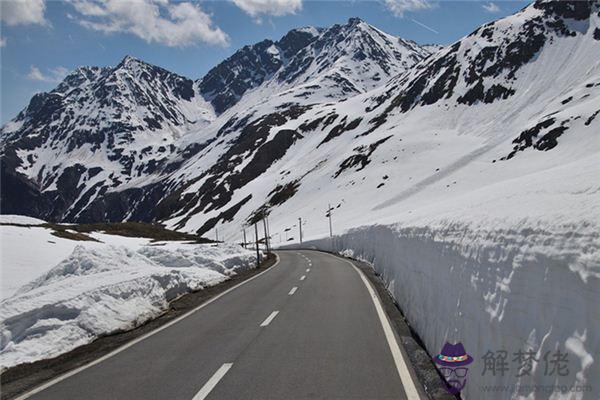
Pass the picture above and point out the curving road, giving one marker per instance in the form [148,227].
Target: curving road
[308,328]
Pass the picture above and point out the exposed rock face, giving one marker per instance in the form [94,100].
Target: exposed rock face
[251,66]
[100,128]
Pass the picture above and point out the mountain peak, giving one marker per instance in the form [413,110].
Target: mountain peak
[130,61]
[354,21]
[129,58]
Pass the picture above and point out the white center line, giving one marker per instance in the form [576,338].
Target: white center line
[212,382]
[303,277]
[307,269]
[269,318]
[293,290]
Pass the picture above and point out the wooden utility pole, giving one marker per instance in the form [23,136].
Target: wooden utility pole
[257,250]
[300,226]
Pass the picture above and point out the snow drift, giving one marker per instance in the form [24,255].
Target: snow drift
[97,291]
[28,250]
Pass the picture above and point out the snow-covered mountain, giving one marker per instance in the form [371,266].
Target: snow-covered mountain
[92,148]
[251,66]
[314,64]
[321,111]
[476,112]
[346,60]
[100,128]
[470,176]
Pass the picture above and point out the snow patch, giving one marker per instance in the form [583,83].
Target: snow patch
[20,220]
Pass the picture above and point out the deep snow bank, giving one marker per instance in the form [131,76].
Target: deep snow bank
[523,288]
[96,291]
[28,252]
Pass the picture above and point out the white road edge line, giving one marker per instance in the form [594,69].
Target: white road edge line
[407,382]
[139,339]
[269,318]
[293,290]
[303,277]
[212,382]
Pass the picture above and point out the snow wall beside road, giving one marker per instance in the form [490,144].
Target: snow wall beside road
[521,289]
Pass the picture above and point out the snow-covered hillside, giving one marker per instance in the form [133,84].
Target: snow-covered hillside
[343,61]
[103,145]
[67,293]
[311,65]
[416,141]
[29,249]
[101,128]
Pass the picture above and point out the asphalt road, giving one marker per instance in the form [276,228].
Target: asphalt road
[308,328]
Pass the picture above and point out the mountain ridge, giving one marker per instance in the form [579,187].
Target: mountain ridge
[112,128]
[280,145]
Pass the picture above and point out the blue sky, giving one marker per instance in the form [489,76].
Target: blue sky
[42,40]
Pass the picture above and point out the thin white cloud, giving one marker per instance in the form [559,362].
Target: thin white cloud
[491,7]
[175,24]
[54,75]
[23,12]
[2,42]
[275,8]
[399,7]
[35,74]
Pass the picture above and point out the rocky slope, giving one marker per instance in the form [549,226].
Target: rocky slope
[101,128]
[102,145]
[517,96]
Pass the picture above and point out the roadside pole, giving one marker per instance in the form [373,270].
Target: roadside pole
[257,251]
[266,235]
[329,209]
[244,230]
[216,234]
[269,233]
[300,226]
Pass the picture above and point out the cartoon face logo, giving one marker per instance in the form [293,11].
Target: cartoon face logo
[452,362]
